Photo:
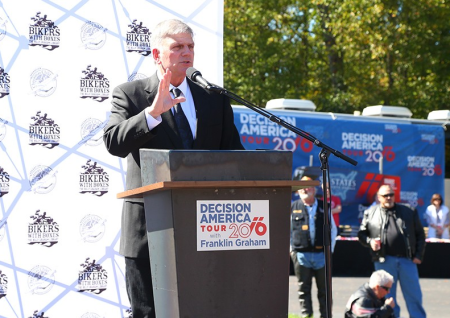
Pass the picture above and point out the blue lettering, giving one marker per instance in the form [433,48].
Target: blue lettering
[225,218]
[226,208]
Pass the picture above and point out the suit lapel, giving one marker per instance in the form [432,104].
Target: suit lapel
[168,122]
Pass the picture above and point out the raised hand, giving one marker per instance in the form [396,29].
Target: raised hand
[163,100]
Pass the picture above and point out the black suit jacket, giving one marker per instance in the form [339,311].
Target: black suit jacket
[127,132]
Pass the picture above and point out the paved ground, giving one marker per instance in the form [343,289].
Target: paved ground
[436,296]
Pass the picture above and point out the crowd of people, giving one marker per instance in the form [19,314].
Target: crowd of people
[395,238]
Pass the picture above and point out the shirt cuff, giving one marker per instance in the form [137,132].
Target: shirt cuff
[152,122]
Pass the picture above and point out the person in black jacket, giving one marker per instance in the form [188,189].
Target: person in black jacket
[307,248]
[370,301]
[396,239]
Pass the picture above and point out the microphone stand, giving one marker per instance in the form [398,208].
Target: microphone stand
[323,157]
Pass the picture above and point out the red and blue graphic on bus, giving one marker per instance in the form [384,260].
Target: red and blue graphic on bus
[410,156]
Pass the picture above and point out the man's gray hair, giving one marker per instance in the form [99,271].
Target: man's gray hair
[380,278]
[167,28]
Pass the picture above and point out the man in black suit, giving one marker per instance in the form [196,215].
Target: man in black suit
[142,116]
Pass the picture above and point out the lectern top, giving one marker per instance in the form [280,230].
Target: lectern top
[173,185]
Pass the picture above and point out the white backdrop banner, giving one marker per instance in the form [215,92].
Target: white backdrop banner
[60,219]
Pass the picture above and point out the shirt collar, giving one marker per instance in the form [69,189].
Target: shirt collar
[313,205]
[385,210]
[182,87]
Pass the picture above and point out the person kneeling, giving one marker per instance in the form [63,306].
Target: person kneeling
[369,300]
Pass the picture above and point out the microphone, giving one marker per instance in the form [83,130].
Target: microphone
[196,77]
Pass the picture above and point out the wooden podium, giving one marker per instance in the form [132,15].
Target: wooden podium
[218,226]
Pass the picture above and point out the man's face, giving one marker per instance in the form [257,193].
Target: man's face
[177,54]
[386,197]
[382,291]
[307,193]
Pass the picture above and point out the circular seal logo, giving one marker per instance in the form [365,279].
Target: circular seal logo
[42,179]
[2,28]
[91,131]
[43,82]
[93,35]
[92,228]
[136,76]
[41,279]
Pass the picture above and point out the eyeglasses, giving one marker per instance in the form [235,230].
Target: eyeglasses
[386,288]
[434,199]
[387,195]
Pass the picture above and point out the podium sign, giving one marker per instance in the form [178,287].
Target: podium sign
[233,225]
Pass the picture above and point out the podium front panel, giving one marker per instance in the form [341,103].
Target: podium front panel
[225,283]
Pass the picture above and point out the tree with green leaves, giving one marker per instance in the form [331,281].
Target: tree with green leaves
[343,55]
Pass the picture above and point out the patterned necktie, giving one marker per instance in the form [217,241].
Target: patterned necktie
[182,123]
